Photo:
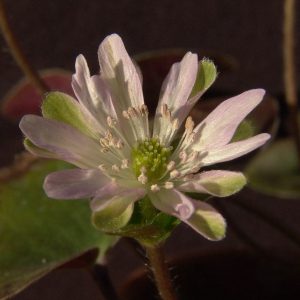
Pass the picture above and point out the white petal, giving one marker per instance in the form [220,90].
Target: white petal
[207,221]
[64,141]
[201,216]
[176,90]
[74,183]
[117,197]
[234,150]
[120,73]
[92,93]
[173,202]
[110,214]
[218,183]
[218,127]
[29,146]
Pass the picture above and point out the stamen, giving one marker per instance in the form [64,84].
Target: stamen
[144,110]
[115,168]
[171,165]
[169,185]
[120,144]
[102,167]
[143,178]
[175,124]
[125,114]
[155,188]
[174,174]
[165,111]
[189,125]
[124,164]
[182,156]
[111,122]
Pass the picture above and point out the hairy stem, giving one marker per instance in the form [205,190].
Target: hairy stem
[290,69]
[160,272]
[18,54]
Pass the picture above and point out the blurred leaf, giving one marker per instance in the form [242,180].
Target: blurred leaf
[23,98]
[275,170]
[38,234]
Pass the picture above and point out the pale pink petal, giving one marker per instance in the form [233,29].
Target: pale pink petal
[216,182]
[112,194]
[234,150]
[92,93]
[173,202]
[74,183]
[120,73]
[178,86]
[218,128]
[39,151]
[201,216]
[63,140]
[207,221]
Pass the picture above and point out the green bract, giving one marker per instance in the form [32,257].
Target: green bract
[207,74]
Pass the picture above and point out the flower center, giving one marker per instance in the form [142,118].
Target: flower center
[150,159]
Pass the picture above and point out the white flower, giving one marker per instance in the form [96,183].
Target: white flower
[120,159]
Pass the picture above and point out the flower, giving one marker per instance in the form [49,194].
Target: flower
[121,159]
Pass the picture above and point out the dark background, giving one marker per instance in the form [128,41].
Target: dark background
[52,33]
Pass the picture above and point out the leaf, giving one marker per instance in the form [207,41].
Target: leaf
[38,234]
[275,171]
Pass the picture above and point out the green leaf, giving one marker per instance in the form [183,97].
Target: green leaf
[207,74]
[62,107]
[38,234]
[275,170]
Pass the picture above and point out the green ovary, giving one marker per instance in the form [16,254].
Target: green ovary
[153,157]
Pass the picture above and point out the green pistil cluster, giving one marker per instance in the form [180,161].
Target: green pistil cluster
[152,157]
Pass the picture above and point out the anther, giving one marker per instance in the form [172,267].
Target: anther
[115,168]
[169,185]
[110,121]
[174,174]
[125,114]
[143,178]
[144,110]
[124,164]
[155,188]
[165,111]
[171,165]
[102,167]
[189,125]
[182,156]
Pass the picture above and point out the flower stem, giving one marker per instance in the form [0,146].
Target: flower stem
[289,69]
[18,54]
[160,272]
